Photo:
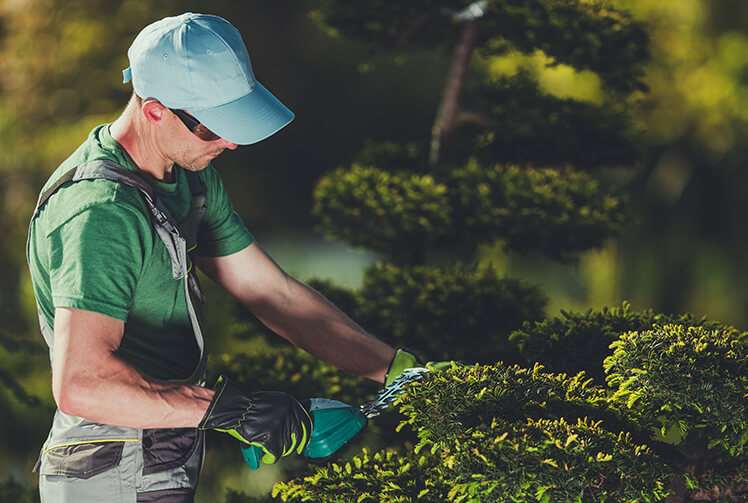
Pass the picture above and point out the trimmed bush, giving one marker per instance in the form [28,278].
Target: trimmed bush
[476,444]
[527,126]
[456,313]
[588,35]
[681,381]
[558,213]
[400,215]
[554,212]
[574,342]
[448,404]
[551,460]
[388,475]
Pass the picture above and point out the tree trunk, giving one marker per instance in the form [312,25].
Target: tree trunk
[445,119]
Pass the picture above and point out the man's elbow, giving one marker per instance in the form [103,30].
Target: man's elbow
[71,396]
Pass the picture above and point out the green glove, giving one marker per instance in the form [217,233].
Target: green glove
[406,360]
[272,420]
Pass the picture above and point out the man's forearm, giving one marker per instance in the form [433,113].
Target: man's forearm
[308,320]
[116,394]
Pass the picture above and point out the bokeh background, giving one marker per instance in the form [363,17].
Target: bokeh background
[683,249]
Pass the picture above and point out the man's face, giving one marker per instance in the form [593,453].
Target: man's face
[178,144]
[189,151]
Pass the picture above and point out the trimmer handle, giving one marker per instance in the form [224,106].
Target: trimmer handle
[334,425]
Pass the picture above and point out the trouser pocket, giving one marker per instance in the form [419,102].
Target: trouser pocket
[167,448]
[81,472]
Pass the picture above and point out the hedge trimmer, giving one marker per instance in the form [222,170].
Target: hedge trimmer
[337,423]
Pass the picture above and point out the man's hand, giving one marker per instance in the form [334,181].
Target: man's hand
[272,420]
[406,360]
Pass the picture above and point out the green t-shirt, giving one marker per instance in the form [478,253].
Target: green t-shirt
[93,247]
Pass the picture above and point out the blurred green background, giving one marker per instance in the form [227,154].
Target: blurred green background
[682,250]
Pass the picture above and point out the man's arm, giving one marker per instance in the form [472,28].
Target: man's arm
[298,313]
[89,381]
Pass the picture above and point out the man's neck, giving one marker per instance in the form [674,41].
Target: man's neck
[141,147]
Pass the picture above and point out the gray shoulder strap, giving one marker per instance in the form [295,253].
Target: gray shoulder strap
[163,222]
[191,225]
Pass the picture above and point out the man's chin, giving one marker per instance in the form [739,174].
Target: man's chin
[197,165]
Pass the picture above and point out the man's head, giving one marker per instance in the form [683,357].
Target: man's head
[173,134]
[195,69]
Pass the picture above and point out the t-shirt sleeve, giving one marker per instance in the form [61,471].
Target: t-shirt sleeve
[222,231]
[96,259]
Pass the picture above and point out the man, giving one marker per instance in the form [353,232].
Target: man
[110,249]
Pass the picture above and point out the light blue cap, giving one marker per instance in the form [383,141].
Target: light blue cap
[199,63]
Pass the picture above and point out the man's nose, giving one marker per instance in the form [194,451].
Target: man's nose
[227,144]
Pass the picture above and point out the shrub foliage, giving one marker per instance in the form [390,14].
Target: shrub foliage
[456,312]
[574,342]
[684,382]
[555,212]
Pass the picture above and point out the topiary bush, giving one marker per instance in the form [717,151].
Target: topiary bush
[530,126]
[408,478]
[456,312]
[507,433]
[574,342]
[476,443]
[555,212]
[594,35]
[685,383]
[400,215]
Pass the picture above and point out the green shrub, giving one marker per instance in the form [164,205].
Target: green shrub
[526,126]
[394,156]
[442,407]
[476,444]
[588,35]
[680,381]
[580,341]
[558,213]
[554,212]
[400,215]
[551,460]
[454,313]
[389,475]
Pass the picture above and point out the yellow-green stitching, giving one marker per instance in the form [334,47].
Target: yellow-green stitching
[82,442]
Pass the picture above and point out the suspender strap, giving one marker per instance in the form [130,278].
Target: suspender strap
[166,227]
[163,222]
[197,210]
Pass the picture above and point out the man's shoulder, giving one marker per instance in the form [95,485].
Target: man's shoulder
[76,197]
[106,197]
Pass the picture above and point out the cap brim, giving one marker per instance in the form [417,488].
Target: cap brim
[249,119]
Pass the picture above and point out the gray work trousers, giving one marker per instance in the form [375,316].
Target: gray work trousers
[151,466]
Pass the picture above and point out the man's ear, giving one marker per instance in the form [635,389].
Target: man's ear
[153,110]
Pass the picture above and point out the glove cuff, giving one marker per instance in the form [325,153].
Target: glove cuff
[219,388]
[402,360]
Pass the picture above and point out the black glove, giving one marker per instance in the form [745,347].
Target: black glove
[272,420]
